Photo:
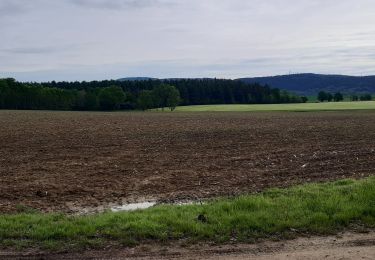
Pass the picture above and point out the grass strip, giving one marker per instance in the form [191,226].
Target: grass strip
[315,208]
[326,106]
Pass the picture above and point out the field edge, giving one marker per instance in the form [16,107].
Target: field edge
[324,208]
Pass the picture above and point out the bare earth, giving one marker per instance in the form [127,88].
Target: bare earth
[344,246]
[66,161]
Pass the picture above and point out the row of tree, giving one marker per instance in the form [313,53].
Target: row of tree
[325,96]
[194,91]
[16,95]
[364,97]
[113,95]
[337,97]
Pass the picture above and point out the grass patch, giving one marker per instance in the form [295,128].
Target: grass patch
[331,106]
[317,208]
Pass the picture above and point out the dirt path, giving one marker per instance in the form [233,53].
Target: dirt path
[344,246]
[348,246]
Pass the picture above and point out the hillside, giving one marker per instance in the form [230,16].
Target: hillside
[136,79]
[311,84]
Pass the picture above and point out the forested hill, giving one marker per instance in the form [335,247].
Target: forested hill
[311,84]
[136,79]
[134,94]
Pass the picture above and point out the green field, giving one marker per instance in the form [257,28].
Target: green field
[365,105]
[313,208]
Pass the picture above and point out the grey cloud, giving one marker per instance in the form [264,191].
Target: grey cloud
[352,53]
[12,7]
[191,68]
[30,50]
[45,49]
[44,39]
[119,4]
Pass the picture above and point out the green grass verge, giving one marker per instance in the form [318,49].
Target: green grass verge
[365,105]
[316,208]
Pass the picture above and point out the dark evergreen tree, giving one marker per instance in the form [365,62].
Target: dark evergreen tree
[304,99]
[145,100]
[322,96]
[329,97]
[366,97]
[338,97]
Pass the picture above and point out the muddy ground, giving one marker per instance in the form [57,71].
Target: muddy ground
[63,161]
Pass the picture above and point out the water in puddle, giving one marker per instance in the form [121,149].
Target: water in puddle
[127,206]
[133,206]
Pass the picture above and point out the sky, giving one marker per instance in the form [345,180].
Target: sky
[69,40]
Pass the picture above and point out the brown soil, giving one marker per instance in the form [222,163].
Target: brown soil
[344,246]
[61,161]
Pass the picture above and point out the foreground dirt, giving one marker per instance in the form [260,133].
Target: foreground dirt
[344,246]
[66,161]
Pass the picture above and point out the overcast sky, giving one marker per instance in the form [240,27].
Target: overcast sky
[43,40]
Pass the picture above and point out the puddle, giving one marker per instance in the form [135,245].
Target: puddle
[113,207]
[147,204]
[186,202]
[133,206]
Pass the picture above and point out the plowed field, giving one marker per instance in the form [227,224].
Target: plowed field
[63,161]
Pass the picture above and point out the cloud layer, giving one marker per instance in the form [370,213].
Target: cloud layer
[98,39]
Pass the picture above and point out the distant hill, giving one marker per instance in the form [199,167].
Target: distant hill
[311,84]
[148,78]
[136,79]
[303,84]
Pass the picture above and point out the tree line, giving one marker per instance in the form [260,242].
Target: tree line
[363,97]
[337,97]
[130,95]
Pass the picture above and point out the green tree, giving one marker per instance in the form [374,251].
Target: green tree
[111,98]
[166,96]
[145,100]
[338,97]
[91,100]
[80,98]
[275,94]
[3,91]
[304,99]
[322,96]
[173,98]
[329,97]
[366,97]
